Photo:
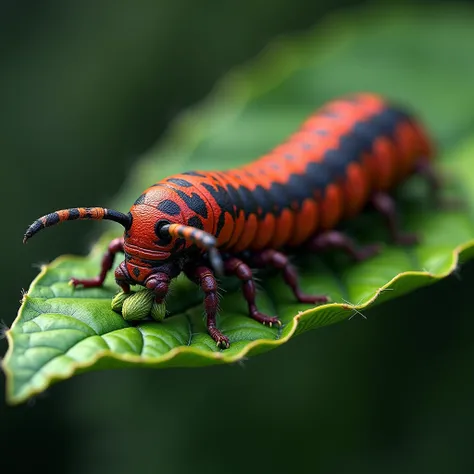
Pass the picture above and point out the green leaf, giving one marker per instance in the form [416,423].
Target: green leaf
[61,331]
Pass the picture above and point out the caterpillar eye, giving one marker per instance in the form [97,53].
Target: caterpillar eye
[162,232]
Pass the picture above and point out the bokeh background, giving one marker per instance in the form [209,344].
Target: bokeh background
[85,89]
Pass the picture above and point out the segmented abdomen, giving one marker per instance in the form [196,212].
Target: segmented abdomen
[324,172]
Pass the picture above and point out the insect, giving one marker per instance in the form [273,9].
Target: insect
[351,153]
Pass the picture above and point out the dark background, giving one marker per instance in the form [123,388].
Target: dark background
[85,88]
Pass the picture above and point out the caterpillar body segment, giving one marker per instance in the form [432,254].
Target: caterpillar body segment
[352,152]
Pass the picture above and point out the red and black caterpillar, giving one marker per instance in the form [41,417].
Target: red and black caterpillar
[350,153]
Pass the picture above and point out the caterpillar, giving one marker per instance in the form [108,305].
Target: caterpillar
[349,154]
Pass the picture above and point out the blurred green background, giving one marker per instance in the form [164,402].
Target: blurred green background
[85,89]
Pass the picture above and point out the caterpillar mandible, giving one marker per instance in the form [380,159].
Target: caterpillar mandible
[352,152]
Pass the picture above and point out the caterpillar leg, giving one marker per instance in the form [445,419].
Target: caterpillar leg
[159,283]
[107,261]
[234,266]
[122,278]
[425,169]
[204,277]
[385,205]
[333,239]
[435,182]
[281,262]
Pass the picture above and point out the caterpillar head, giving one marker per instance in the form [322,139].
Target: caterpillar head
[159,232]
